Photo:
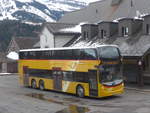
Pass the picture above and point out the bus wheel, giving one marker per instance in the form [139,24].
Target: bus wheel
[41,85]
[80,91]
[33,84]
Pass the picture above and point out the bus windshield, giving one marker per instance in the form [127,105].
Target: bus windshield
[110,73]
[108,53]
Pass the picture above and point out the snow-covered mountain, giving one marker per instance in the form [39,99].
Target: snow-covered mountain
[37,10]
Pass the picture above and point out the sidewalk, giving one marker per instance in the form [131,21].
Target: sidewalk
[7,74]
[145,88]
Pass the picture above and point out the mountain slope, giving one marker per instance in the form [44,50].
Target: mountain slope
[37,10]
[13,28]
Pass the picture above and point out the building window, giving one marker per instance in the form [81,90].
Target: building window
[84,35]
[87,35]
[125,31]
[103,33]
[46,39]
[46,46]
[96,11]
[148,29]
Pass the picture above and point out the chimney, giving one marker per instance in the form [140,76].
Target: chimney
[146,25]
[107,29]
[129,26]
[89,31]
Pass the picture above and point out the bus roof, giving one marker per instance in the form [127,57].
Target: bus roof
[65,48]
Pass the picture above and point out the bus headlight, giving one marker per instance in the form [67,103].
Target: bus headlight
[109,77]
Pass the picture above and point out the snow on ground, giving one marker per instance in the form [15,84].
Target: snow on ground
[5,74]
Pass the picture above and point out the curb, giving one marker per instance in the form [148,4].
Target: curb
[137,89]
[9,74]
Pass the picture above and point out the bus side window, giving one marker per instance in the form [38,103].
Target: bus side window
[68,76]
[25,55]
[82,54]
[21,55]
[88,54]
[40,73]
[57,54]
[81,77]
[68,54]
[38,55]
[75,54]
[46,54]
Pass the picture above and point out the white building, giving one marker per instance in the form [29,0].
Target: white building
[54,35]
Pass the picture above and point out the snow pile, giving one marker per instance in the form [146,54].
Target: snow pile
[118,19]
[76,29]
[88,44]
[13,55]
[139,16]
[80,44]
[84,43]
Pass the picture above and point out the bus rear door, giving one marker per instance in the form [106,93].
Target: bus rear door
[26,75]
[57,77]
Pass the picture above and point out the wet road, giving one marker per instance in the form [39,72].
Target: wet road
[17,99]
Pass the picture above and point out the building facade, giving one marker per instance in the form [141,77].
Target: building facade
[54,35]
[133,39]
[16,44]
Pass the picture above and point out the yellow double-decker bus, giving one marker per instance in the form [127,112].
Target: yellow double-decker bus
[90,71]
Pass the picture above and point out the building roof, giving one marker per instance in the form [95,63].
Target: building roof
[146,16]
[26,42]
[2,57]
[136,45]
[71,41]
[108,10]
[108,22]
[133,46]
[37,45]
[57,28]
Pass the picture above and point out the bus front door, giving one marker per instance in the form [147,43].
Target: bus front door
[93,85]
[57,77]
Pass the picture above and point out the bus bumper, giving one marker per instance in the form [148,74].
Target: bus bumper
[110,91]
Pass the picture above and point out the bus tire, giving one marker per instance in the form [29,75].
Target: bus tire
[33,83]
[41,85]
[80,91]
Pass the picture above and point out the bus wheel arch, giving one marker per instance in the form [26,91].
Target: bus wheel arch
[80,92]
[41,85]
[33,83]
